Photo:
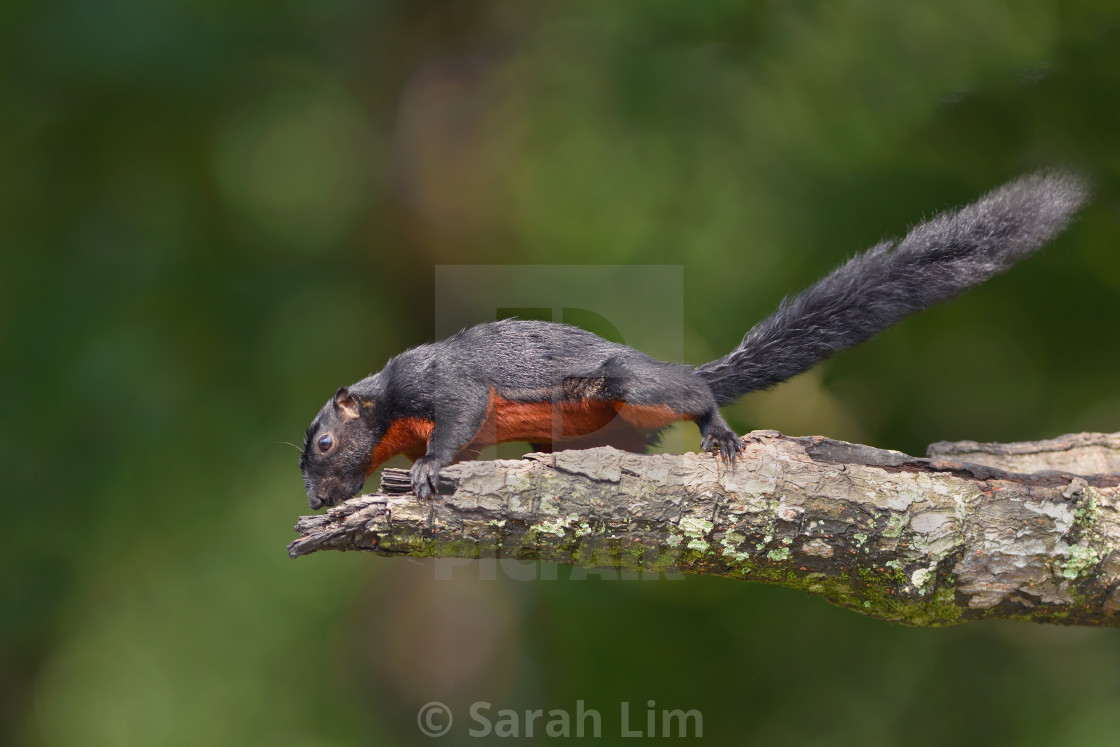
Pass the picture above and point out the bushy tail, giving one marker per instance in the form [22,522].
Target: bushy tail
[935,261]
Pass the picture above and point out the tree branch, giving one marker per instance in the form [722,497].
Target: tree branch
[918,541]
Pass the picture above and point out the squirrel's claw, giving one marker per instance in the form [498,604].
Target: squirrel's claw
[727,444]
[425,477]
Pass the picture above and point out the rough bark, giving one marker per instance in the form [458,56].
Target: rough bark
[1079,453]
[919,541]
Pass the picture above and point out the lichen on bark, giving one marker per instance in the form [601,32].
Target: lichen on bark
[909,540]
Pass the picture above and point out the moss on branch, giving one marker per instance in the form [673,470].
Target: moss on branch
[903,539]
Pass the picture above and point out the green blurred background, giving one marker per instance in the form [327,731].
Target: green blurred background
[214,213]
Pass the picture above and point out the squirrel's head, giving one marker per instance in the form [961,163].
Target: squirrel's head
[336,451]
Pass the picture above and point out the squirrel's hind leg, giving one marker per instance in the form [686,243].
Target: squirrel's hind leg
[652,394]
[716,433]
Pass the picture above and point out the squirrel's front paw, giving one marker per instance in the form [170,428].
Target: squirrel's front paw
[425,477]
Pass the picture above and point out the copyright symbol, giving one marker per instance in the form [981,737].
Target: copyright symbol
[434,719]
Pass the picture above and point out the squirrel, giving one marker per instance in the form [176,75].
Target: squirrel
[558,386]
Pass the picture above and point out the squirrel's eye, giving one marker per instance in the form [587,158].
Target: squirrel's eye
[326,441]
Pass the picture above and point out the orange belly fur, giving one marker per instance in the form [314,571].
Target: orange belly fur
[407,436]
[577,424]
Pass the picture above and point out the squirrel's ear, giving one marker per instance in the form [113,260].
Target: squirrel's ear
[345,404]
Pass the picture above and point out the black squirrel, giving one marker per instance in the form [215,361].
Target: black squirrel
[558,386]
